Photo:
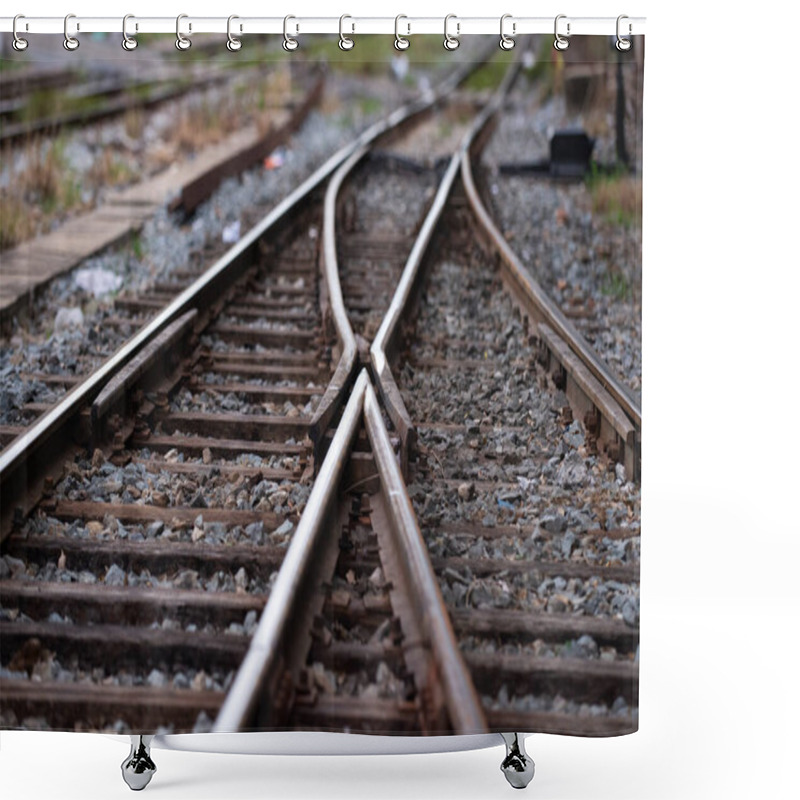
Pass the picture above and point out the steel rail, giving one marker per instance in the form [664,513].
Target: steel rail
[462,701]
[346,365]
[593,386]
[615,401]
[276,645]
[266,654]
[386,338]
[546,310]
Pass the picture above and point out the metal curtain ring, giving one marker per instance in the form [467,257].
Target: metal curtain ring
[400,42]
[181,42]
[70,42]
[451,42]
[233,44]
[623,45]
[507,42]
[128,42]
[345,43]
[561,43]
[19,44]
[289,44]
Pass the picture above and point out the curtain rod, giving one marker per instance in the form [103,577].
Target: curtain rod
[188,25]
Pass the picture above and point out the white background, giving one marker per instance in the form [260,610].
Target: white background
[720,607]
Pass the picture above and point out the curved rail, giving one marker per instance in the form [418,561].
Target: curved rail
[463,703]
[260,672]
[606,404]
[593,389]
[386,338]
[546,308]
[346,365]
[26,456]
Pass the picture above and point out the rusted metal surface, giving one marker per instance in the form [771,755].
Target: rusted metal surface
[388,334]
[346,343]
[144,408]
[274,687]
[249,702]
[261,695]
[151,364]
[603,417]
[543,310]
[387,339]
[422,590]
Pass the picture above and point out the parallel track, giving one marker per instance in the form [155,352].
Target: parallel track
[98,101]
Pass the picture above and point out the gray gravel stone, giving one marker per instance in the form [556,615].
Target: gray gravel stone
[115,576]
[157,679]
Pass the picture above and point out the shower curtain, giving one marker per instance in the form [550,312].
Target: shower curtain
[149,543]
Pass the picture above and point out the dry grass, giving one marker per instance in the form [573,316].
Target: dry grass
[47,188]
[211,121]
[618,199]
[42,177]
[17,223]
[134,122]
[204,124]
[109,170]
[44,190]
[29,192]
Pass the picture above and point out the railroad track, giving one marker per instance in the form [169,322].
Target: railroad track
[418,591]
[533,662]
[50,380]
[20,82]
[215,454]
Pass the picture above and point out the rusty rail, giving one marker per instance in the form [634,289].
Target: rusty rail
[387,338]
[463,704]
[346,366]
[25,462]
[28,459]
[283,635]
[590,385]
[275,643]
